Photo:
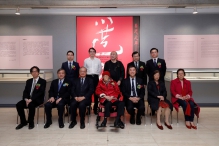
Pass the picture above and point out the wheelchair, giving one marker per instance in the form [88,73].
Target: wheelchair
[100,113]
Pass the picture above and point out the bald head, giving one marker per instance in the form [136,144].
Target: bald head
[113,55]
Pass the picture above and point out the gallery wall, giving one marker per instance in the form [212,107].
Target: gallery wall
[63,30]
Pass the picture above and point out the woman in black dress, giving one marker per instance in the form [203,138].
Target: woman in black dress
[157,99]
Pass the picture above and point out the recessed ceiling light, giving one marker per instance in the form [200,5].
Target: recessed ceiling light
[17,11]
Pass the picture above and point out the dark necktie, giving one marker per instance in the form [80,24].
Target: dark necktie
[60,85]
[155,63]
[82,81]
[136,66]
[133,89]
[70,66]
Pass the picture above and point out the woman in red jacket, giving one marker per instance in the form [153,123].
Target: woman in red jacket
[181,93]
[108,92]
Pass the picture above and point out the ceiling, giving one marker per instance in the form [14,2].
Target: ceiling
[107,7]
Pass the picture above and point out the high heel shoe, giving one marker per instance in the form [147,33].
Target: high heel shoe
[194,127]
[168,126]
[160,127]
[189,127]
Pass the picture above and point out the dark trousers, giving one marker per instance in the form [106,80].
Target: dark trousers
[82,109]
[95,79]
[183,104]
[60,107]
[140,106]
[119,108]
[21,105]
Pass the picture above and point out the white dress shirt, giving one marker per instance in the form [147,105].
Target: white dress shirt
[93,66]
[156,59]
[134,86]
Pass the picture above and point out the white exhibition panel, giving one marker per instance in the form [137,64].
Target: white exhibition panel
[191,51]
[23,52]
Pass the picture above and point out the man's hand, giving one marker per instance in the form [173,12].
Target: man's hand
[160,97]
[28,101]
[52,99]
[119,82]
[80,98]
[57,101]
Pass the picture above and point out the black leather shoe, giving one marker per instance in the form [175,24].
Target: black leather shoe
[103,124]
[47,125]
[20,126]
[61,125]
[138,120]
[121,125]
[73,123]
[82,126]
[31,125]
[132,120]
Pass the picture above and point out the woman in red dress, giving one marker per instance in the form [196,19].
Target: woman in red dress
[181,93]
[108,92]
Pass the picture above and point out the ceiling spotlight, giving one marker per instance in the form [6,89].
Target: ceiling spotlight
[17,11]
[195,11]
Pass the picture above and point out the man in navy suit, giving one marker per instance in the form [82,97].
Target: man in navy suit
[133,91]
[59,96]
[33,96]
[81,92]
[71,67]
[153,64]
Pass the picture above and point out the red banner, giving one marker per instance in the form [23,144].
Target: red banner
[106,34]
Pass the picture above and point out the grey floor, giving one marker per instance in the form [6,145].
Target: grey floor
[206,135]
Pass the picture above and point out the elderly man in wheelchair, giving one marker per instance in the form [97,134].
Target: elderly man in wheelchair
[109,99]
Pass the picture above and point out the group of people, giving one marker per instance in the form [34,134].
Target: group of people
[75,86]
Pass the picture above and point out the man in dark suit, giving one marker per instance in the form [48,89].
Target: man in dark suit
[153,64]
[140,67]
[59,96]
[133,91]
[81,92]
[71,67]
[33,96]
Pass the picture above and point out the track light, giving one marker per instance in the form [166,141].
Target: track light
[17,11]
[195,11]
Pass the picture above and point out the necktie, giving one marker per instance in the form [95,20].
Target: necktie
[136,65]
[34,84]
[82,81]
[70,66]
[60,85]
[155,63]
[133,88]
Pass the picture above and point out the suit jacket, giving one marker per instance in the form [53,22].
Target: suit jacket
[150,68]
[141,72]
[64,91]
[73,73]
[126,88]
[86,90]
[176,88]
[153,92]
[38,92]
[110,89]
